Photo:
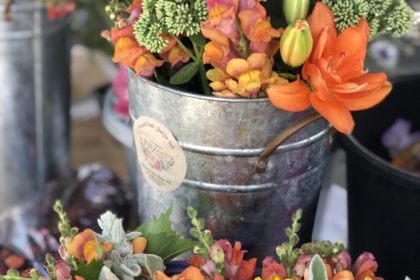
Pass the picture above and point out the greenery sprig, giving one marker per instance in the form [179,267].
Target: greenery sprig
[205,238]
[287,252]
[67,232]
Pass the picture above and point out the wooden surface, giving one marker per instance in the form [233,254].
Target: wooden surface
[91,143]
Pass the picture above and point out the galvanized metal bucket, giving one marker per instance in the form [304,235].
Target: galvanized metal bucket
[34,101]
[222,139]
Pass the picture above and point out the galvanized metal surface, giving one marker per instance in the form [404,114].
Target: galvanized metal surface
[34,101]
[120,129]
[222,139]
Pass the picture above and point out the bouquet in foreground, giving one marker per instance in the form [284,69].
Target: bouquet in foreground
[232,49]
[144,253]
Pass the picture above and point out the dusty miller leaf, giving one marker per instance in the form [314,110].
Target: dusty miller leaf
[317,269]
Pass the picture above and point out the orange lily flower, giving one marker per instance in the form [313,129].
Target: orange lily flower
[334,81]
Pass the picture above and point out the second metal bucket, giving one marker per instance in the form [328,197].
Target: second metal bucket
[34,98]
[222,139]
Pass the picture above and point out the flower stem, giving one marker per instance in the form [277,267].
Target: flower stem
[281,138]
[204,82]
[184,48]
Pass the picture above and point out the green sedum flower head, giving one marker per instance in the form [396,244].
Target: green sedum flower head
[392,17]
[172,17]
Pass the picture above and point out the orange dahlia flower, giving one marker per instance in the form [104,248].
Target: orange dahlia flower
[334,81]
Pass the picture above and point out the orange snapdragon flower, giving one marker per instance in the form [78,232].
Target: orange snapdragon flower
[244,78]
[190,273]
[83,246]
[334,81]
[131,54]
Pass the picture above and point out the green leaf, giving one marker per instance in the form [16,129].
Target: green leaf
[317,269]
[185,74]
[198,39]
[162,240]
[90,271]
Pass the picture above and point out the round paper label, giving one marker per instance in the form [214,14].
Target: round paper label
[160,157]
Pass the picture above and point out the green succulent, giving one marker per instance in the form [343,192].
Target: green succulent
[393,17]
[172,17]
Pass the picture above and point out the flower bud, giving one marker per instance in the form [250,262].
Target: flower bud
[296,43]
[295,9]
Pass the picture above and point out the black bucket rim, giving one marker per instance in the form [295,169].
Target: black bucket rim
[353,147]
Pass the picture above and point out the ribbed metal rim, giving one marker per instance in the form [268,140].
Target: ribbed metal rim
[197,95]
[353,145]
[252,152]
[250,188]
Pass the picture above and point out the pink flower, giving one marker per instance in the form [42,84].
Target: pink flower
[272,268]
[365,266]
[120,87]
[63,271]
[236,267]
[343,261]
[301,264]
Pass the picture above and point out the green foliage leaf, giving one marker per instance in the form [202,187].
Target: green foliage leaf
[90,271]
[185,74]
[317,269]
[198,39]
[162,240]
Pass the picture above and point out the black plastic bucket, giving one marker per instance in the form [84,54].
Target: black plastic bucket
[383,201]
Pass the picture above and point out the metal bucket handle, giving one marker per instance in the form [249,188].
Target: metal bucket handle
[281,138]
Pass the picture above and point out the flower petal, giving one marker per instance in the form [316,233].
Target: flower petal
[335,112]
[293,97]
[237,66]
[321,18]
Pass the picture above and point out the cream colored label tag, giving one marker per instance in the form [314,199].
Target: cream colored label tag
[160,157]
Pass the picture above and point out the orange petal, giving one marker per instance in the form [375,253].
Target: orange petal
[366,275]
[123,47]
[89,251]
[349,46]
[335,112]
[159,275]
[139,245]
[317,83]
[237,66]
[192,273]
[217,86]
[213,52]
[76,246]
[216,75]
[215,35]
[257,60]
[116,34]
[321,18]
[343,275]
[293,97]
[364,99]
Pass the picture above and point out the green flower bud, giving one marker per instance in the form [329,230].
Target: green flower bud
[295,9]
[296,43]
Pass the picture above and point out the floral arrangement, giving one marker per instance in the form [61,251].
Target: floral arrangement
[114,254]
[234,50]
